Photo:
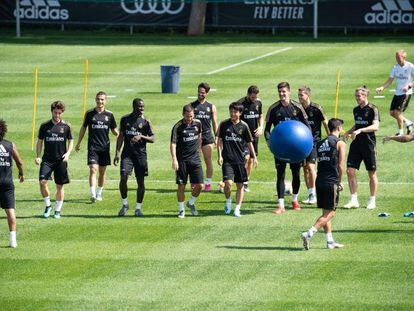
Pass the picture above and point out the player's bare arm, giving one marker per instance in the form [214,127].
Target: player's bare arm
[81,135]
[19,163]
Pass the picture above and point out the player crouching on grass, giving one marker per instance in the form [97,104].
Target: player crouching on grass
[98,121]
[185,147]
[331,158]
[233,135]
[55,134]
[8,153]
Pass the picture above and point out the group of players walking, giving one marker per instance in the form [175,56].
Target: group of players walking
[237,146]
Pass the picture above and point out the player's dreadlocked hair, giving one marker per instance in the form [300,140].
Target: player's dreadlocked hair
[3,129]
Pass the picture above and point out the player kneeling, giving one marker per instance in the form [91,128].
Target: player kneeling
[331,156]
[185,150]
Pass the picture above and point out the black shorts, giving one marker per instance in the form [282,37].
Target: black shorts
[140,166]
[359,153]
[7,196]
[327,196]
[101,158]
[293,166]
[59,169]
[235,172]
[193,169]
[255,143]
[312,156]
[400,102]
[207,138]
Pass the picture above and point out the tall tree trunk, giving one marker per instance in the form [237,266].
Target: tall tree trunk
[197,18]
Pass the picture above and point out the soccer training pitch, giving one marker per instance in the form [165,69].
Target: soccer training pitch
[92,259]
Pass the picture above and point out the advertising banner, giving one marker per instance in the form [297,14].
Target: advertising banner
[138,12]
[372,14]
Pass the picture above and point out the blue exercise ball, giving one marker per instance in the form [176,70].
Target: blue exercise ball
[291,141]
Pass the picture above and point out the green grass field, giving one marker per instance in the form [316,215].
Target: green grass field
[91,259]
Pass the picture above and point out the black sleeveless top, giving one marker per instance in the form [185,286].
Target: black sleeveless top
[204,113]
[6,162]
[328,160]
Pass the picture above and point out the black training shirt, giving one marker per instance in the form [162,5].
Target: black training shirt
[186,138]
[278,113]
[316,116]
[98,124]
[365,117]
[204,113]
[251,112]
[235,137]
[55,137]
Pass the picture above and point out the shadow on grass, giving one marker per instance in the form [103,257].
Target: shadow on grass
[83,201]
[263,248]
[374,231]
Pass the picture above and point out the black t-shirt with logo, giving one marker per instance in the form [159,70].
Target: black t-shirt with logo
[204,113]
[251,112]
[365,117]
[98,124]
[6,162]
[185,136]
[316,116]
[278,113]
[55,137]
[130,127]
[328,160]
[235,137]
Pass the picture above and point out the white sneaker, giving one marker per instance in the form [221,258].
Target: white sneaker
[99,197]
[306,201]
[312,199]
[306,240]
[237,213]
[371,205]
[333,245]
[352,204]
[13,243]
[47,211]
[181,214]
[227,210]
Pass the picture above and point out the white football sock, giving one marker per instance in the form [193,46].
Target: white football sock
[228,202]
[92,191]
[294,197]
[181,206]
[99,191]
[125,201]
[208,181]
[312,231]
[47,201]
[139,206]
[192,200]
[329,238]
[281,203]
[59,205]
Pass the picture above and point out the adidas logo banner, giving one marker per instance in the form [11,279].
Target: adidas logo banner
[42,10]
[391,12]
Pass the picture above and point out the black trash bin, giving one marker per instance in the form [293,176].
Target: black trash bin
[170,79]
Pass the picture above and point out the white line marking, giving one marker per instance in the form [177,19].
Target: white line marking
[172,181]
[249,60]
[111,96]
[379,96]
[192,97]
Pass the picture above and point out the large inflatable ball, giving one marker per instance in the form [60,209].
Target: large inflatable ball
[291,141]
